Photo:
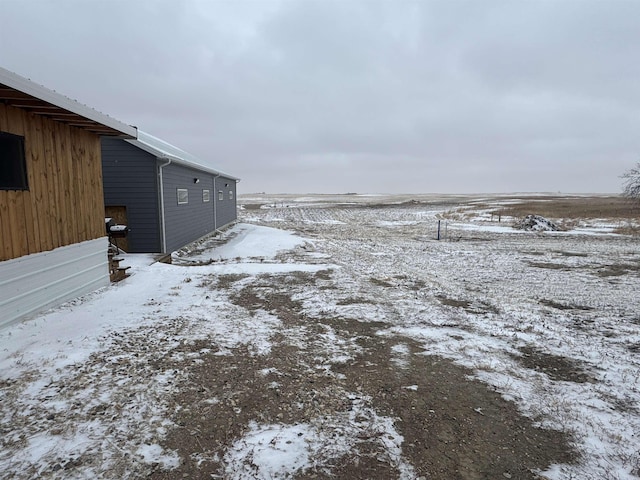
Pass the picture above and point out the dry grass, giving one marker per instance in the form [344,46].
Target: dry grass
[252,206]
[574,208]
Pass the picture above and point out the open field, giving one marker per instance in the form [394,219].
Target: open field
[550,320]
[566,210]
[335,337]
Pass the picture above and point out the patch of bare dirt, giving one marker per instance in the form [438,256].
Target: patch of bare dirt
[556,367]
[549,265]
[467,305]
[572,254]
[380,283]
[564,306]
[619,270]
[354,301]
[453,427]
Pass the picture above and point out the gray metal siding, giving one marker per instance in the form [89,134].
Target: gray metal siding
[188,222]
[130,180]
[226,211]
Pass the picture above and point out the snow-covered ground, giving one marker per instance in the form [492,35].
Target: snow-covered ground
[490,293]
[79,400]
[71,362]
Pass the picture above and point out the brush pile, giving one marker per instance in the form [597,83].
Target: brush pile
[536,223]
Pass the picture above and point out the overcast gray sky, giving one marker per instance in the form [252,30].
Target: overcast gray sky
[356,95]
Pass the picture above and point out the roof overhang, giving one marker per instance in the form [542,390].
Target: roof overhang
[19,92]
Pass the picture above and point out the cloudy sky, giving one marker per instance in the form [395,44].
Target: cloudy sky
[410,96]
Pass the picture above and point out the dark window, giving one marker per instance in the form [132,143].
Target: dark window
[13,168]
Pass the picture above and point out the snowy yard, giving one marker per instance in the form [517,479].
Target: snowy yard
[336,337]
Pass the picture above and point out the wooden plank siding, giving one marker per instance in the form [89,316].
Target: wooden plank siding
[41,234]
[64,202]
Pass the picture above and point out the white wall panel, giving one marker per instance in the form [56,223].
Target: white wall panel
[35,282]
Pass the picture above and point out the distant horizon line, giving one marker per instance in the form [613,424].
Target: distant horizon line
[546,193]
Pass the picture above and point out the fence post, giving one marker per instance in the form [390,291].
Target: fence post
[438,230]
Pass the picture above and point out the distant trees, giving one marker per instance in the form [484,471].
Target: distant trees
[631,187]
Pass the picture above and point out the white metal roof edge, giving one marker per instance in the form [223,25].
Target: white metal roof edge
[25,85]
[164,150]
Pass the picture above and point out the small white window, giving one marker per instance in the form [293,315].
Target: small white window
[183,196]
[220,195]
[230,194]
[206,196]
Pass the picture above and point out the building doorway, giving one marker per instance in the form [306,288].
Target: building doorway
[119,216]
